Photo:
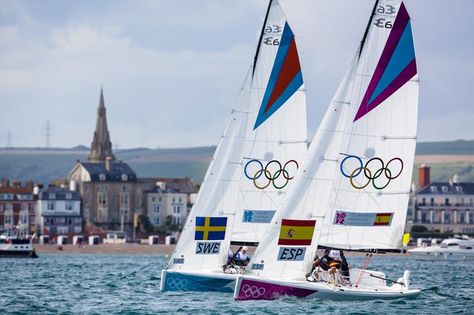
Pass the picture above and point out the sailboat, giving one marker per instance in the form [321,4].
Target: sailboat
[351,192]
[254,164]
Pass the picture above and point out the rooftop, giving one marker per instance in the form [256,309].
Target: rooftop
[447,188]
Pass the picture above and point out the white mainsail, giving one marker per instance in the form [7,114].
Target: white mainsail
[257,157]
[355,179]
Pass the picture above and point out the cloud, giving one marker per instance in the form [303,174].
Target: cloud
[172,70]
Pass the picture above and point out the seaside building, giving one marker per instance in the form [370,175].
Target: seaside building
[165,203]
[17,206]
[110,190]
[106,185]
[442,206]
[58,211]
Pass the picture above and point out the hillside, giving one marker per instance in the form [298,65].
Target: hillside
[44,165]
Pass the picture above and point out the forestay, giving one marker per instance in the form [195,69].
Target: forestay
[257,157]
[355,179]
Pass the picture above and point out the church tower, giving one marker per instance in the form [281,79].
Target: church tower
[101,147]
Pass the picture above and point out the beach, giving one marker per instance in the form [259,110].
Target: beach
[106,249]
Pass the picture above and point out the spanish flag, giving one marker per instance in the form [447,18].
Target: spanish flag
[383,218]
[296,232]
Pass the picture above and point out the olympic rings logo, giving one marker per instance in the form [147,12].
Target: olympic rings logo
[176,283]
[252,291]
[272,173]
[380,178]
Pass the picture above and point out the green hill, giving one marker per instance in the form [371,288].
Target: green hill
[458,147]
[44,165]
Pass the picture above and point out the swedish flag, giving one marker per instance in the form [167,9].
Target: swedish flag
[210,228]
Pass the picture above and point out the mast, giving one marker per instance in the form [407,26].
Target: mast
[367,27]
[261,36]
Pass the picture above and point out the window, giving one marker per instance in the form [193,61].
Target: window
[461,218]
[156,220]
[434,189]
[51,205]
[179,199]
[432,201]
[458,188]
[124,188]
[23,219]
[159,199]
[153,199]
[51,196]
[24,207]
[446,201]
[1,208]
[8,218]
[444,188]
[423,201]
[68,196]
[178,209]
[102,199]
[124,177]
[69,205]
[32,208]
[174,199]
[102,176]
[156,209]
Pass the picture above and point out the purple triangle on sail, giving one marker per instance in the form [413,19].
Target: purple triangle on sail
[396,66]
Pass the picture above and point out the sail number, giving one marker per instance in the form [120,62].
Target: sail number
[381,22]
[387,9]
[271,41]
[273,29]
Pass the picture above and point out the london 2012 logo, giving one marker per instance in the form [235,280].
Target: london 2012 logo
[272,173]
[375,171]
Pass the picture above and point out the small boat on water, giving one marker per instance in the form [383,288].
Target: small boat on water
[16,244]
[351,191]
[457,248]
[253,166]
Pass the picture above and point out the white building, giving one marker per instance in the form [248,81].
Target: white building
[163,203]
[59,211]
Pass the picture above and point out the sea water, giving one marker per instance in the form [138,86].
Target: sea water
[129,284]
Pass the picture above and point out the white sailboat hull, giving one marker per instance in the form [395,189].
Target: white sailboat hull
[197,280]
[257,288]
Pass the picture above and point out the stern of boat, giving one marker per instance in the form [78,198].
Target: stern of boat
[172,280]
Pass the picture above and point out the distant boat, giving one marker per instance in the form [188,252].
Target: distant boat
[351,192]
[15,244]
[452,249]
[254,164]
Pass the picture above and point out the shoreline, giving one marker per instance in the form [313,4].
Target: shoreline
[138,249]
[142,249]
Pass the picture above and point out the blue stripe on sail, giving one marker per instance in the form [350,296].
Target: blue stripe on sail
[402,56]
[285,43]
[290,89]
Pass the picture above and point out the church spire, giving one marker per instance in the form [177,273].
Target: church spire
[101,147]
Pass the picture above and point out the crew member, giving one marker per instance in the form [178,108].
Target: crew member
[241,258]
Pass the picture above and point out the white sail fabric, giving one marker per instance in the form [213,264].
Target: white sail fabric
[247,178]
[371,120]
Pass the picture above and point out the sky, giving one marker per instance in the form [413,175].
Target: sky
[171,70]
